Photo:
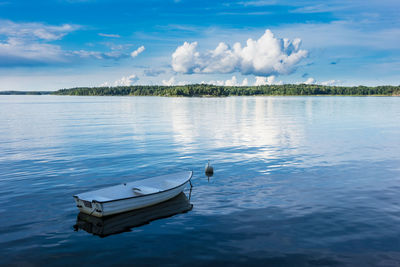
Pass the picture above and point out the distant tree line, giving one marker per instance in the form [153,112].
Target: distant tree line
[25,93]
[214,90]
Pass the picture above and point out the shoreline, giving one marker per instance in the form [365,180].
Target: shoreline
[204,90]
[202,96]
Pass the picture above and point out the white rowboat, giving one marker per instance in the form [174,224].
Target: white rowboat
[123,222]
[134,195]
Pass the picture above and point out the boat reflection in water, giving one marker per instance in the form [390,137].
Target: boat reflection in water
[125,221]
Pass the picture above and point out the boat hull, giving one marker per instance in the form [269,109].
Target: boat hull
[123,222]
[107,208]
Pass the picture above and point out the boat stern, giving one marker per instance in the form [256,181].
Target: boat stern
[89,207]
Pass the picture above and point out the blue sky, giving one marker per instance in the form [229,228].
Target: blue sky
[53,44]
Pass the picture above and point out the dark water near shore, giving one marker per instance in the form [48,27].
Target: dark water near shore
[299,181]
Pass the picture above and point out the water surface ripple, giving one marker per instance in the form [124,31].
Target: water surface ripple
[299,181]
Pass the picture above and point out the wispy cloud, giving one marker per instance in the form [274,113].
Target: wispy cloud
[344,33]
[258,3]
[153,72]
[78,1]
[331,82]
[114,54]
[109,35]
[15,52]
[137,51]
[29,43]
[321,8]
[35,31]
[179,27]
[254,13]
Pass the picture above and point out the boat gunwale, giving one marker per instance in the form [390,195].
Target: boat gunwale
[108,201]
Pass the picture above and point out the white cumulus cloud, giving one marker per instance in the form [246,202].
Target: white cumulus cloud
[263,57]
[124,81]
[230,82]
[310,81]
[260,81]
[218,82]
[127,80]
[270,80]
[330,82]
[137,51]
[234,82]
[169,82]
[172,81]
[185,58]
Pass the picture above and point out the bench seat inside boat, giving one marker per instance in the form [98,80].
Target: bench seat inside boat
[144,190]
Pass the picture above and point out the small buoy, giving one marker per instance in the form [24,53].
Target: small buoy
[209,169]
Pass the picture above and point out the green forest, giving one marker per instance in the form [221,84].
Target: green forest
[25,93]
[197,90]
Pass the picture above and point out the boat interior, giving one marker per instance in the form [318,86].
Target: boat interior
[137,188]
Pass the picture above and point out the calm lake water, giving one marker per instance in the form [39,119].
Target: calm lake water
[299,181]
